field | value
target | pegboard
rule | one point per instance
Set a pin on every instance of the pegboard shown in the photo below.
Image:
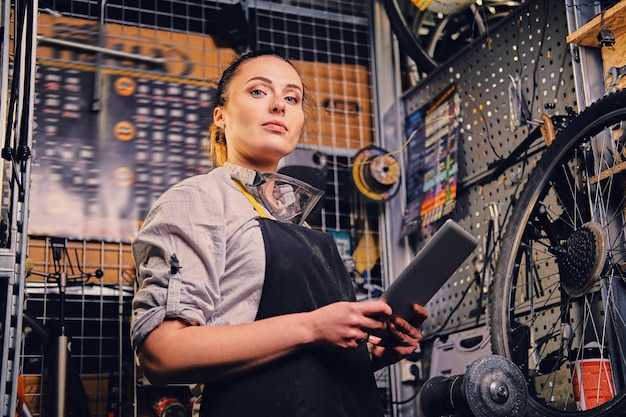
(530, 48)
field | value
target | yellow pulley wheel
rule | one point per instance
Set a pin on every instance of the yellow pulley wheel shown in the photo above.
(376, 173)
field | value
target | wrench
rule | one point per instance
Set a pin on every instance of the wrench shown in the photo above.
(615, 74)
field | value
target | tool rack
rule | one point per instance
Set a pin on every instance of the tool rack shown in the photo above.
(607, 31)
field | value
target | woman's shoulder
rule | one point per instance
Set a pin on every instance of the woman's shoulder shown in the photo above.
(210, 188)
(210, 181)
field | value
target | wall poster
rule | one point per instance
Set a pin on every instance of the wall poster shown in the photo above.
(433, 133)
(113, 131)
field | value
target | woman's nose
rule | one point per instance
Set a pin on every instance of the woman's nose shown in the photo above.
(278, 107)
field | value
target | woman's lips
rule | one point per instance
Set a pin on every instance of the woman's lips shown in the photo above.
(275, 126)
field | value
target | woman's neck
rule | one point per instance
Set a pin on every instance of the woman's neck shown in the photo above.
(263, 168)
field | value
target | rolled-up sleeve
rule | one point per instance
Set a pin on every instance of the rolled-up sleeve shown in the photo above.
(179, 254)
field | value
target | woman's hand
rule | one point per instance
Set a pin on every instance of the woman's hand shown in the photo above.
(405, 339)
(343, 324)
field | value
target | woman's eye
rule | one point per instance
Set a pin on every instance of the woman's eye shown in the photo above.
(292, 100)
(257, 92)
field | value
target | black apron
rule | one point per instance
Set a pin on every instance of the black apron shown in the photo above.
(303, 272)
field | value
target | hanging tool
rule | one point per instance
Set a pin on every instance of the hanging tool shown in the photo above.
(615, 74)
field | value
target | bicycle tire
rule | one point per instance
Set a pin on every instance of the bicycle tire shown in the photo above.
(406, 37)
(542, 314)
(444, 35)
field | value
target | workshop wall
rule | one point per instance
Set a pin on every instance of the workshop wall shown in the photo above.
(524, 58)
(115, 130)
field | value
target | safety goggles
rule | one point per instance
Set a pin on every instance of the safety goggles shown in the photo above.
(287, 199)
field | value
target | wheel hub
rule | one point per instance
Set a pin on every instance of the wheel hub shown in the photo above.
(581, 258)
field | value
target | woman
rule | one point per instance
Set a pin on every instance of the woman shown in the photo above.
(234, 293)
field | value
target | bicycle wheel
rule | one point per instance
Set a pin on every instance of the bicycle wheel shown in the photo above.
(559, 293)
(430, 38)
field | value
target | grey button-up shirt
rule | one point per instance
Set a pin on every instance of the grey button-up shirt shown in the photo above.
(199, 255)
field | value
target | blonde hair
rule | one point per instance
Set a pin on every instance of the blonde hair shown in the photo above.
(217, 146)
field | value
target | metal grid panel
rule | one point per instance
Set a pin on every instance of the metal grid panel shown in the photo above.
(329, 42)
(332, 52)
(185, 36)
(96, 316)
(530, 45)
(99, 78)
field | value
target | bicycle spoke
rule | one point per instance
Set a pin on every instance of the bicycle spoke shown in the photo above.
(560, 287)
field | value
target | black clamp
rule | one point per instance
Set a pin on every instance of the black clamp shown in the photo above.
(606, 37)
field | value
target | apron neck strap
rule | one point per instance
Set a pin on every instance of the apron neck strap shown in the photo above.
(252, 200)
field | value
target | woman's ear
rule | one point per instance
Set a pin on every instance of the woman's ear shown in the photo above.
(218, 117)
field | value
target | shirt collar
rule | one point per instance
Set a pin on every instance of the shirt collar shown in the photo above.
(248, 177)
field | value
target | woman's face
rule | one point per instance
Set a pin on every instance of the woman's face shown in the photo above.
(262, 116)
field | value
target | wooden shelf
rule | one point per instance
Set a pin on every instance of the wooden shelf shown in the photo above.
(614, 19)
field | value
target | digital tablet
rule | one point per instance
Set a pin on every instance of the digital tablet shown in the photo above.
(428, 271)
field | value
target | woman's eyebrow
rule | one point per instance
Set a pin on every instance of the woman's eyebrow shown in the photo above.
(268, 81)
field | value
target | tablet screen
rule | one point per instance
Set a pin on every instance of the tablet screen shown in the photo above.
(428, 271)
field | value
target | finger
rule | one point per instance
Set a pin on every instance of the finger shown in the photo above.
(404, 331)
(375, 308)
(403, 326)
(420, 311)
(375, 323)
(363, 338)
(375, 340)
